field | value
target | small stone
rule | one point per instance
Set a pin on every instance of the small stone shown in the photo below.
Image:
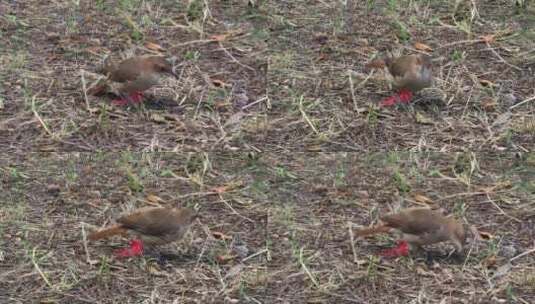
(509, 99)
(53, 189)
(508, 251)
(432, 95)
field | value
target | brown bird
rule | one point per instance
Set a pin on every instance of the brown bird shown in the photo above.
(136, 74)
(421, 226)
(151, 225)
(410, 74)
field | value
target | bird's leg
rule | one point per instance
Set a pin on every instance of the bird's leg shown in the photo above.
(135, 249)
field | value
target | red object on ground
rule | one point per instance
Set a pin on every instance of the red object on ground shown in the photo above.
(135, 249)
(135, 97)
(402, 249)
(390, 101)
(403, 96)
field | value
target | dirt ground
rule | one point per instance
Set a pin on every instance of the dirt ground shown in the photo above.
(282, 75)
(272, 229)
(277, 140)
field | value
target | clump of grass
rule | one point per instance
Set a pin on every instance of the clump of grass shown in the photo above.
(400, 182)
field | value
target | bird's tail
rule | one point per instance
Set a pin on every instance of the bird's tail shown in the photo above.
(372, 230)
(107, 232)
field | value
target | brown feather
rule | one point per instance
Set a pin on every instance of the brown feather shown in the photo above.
(372, 230)
(107, 232)
(137, 74)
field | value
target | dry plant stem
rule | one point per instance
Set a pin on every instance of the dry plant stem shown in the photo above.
(234, 210)
(522, 102)
(501, 210)
(34, 110)
(33, 259)
(352, 90)
(532, 250)
(254, 255)
(352, 240)
(254, 103)
(305, 268)
(501, 58)
(205, 244)
(84, 241)
(84, 89)
(233, 58)
(305, 117)
(179, 45)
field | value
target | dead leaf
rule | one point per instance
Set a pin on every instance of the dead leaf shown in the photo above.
(220, 235)
(489, 104)
(154, 47)
(219, 38)
(486, 83)
(485, 235)
(224, 258)
(422, 47)
(154, 199)
(219, 83)
(221, 189)
(423, 199)
(490, 262)
(488, 38)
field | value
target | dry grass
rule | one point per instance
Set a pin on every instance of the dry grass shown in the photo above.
(52, 51)
(54, 200)
(323, 98)
(286, 225)
(288, 78)
(292, 74)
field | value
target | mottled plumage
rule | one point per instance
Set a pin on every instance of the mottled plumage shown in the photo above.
(412, 72)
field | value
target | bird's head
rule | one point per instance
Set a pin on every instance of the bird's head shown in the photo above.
(163, 65)
(189, 215)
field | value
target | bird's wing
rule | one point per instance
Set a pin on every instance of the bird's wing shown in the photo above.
(141, 83)
(127, 70)
(400, 66)
(150, 221)
(421, 221)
